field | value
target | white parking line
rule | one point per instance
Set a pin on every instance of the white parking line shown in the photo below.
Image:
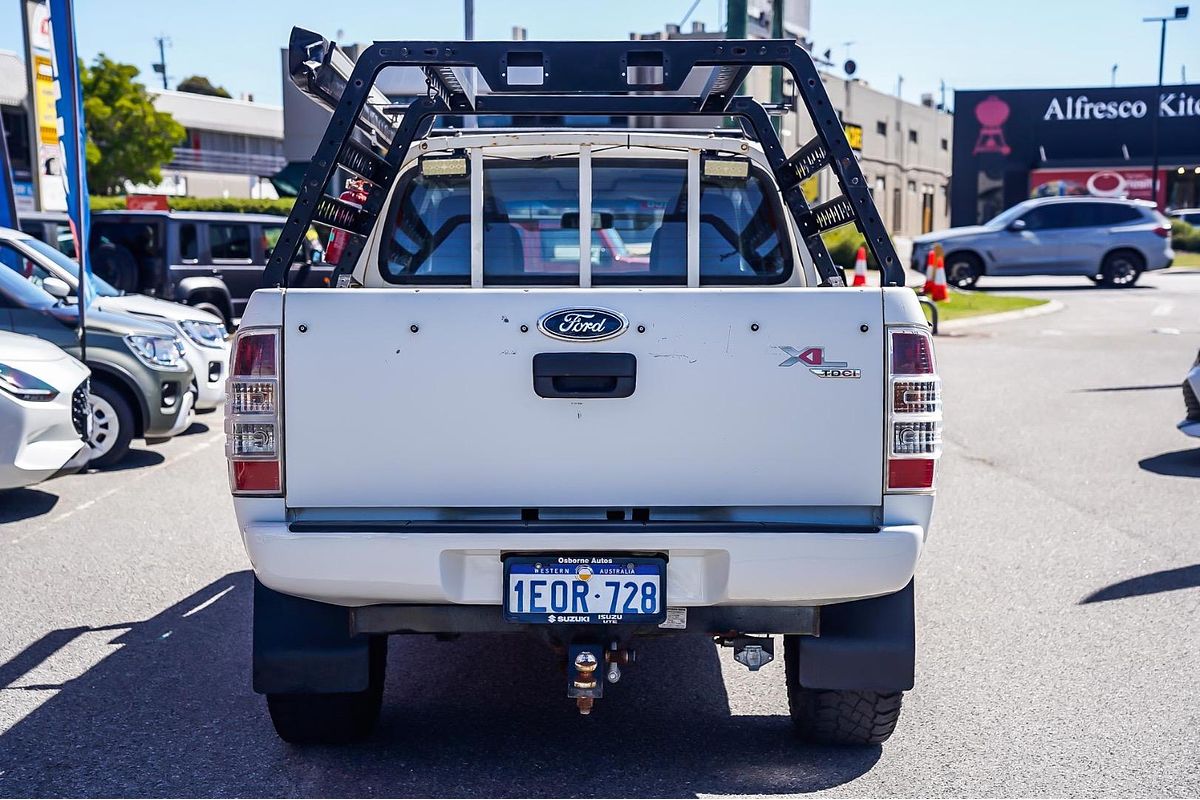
(134, 479)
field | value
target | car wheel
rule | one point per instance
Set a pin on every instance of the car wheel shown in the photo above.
(1121, 269)
(338, 718)
(963, 270)
(112, 425)
(213, 309)
(838, 716)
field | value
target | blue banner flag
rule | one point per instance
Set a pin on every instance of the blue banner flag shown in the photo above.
(73, 138)
(8, 202)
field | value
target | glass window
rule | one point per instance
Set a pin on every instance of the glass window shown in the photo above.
(1110, 214)
(36, 273)
(230, 242)
(1058, 215)
(912, 135)
(881, 128)
(189, 242)
(639, 226)
(14, 281)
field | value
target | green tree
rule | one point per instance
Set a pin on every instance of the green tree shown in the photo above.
(128, 138)
(198, 84)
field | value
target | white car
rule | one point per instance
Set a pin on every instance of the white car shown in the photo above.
(1191, 401)
(44, 414)
(205, 347)
(494, 423)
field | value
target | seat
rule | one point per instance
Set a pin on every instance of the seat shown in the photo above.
(502, 251)
(668, 248)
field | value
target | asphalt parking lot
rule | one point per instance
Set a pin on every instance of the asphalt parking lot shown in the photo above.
(1058, 603)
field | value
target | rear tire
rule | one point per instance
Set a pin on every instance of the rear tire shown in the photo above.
(338, 718)
(1121, 269)
(112, 425)
(963, 270)
(839, 716)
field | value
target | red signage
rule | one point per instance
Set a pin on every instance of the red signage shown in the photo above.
(146, 202)
(1132, 183)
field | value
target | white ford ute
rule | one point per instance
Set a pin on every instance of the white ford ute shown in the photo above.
(591, 385)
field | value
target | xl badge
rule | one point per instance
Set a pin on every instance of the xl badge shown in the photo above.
(814, 359)
(583, 324)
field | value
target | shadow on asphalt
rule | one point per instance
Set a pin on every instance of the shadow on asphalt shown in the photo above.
(1145, 388)
(1086, 285)
(171, 713)
(19, 504)
(1181, 463)
(1167, 580)
(135, 459)
(194, 428)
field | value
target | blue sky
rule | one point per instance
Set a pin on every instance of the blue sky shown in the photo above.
(969, 44)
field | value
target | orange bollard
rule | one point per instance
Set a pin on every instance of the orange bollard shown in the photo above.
(941, 292)
(860, 268)
(930, 273)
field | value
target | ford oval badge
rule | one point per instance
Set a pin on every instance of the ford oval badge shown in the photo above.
(583, 324)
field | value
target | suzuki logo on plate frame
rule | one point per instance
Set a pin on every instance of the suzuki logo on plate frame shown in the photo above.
(583, 324)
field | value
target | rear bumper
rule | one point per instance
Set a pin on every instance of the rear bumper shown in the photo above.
(732, 565)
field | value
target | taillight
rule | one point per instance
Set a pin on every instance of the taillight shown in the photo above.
(1164, 230)
(253, 427)
(915, 413)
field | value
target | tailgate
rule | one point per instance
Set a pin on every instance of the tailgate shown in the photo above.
(377, 415)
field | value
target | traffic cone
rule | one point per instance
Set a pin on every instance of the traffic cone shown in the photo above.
(860, 268)
(930, 273)
(941, 292)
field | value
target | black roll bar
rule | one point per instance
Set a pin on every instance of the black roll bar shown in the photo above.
(540, 78)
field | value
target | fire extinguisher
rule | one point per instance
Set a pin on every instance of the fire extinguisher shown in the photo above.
(355, 195)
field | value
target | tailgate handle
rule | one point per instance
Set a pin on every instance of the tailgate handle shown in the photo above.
(584, 374)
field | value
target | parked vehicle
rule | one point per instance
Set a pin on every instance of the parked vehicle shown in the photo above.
(1112, 242)
(1191, 404)
(51, 227)
(210, 260)
(140, 385)
(1189, 215)
(593, 453)
(44, 413)
(203, 335)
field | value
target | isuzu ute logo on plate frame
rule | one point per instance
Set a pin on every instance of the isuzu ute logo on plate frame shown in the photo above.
(583, 324)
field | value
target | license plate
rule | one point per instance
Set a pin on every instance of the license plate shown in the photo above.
(591, 590)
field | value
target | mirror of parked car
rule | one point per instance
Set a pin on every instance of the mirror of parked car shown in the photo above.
(601, 220)
(1017, 225)
(56, 287)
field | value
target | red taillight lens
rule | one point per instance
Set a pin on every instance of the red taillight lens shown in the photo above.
(910, 473)
(912, 353)
(256, 476)
(253, 426)
(254, 356)
(915, 416)
(1163, 231)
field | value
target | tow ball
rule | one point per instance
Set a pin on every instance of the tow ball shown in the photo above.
(752, 652)
(589, 666)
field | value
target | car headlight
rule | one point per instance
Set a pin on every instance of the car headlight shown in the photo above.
(160, 352)
(24, 386)
(205, 334)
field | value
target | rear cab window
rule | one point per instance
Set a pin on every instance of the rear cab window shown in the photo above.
(531, 214)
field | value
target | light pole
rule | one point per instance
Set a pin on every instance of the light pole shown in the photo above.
(1181, 12)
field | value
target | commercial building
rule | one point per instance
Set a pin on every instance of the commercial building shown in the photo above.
(1011, 144)
(232, 148)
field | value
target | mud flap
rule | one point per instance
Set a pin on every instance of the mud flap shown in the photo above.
(868, 645)
(304, 646)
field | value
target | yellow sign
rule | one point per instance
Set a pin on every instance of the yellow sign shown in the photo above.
(854, 136)
(44, 98)
(811, 189)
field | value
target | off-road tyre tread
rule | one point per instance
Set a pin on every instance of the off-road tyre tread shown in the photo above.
(845, 717)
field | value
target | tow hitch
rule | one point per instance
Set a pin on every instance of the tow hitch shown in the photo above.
(752, 652)
(586, 675)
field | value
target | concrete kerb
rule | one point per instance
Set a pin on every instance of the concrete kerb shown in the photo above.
(1002, 316)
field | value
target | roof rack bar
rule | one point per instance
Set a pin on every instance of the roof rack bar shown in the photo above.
(574, 77)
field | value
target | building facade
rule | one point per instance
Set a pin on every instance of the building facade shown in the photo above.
(1012, 144)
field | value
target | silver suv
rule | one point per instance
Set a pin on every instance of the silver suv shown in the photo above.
(1111, 242)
